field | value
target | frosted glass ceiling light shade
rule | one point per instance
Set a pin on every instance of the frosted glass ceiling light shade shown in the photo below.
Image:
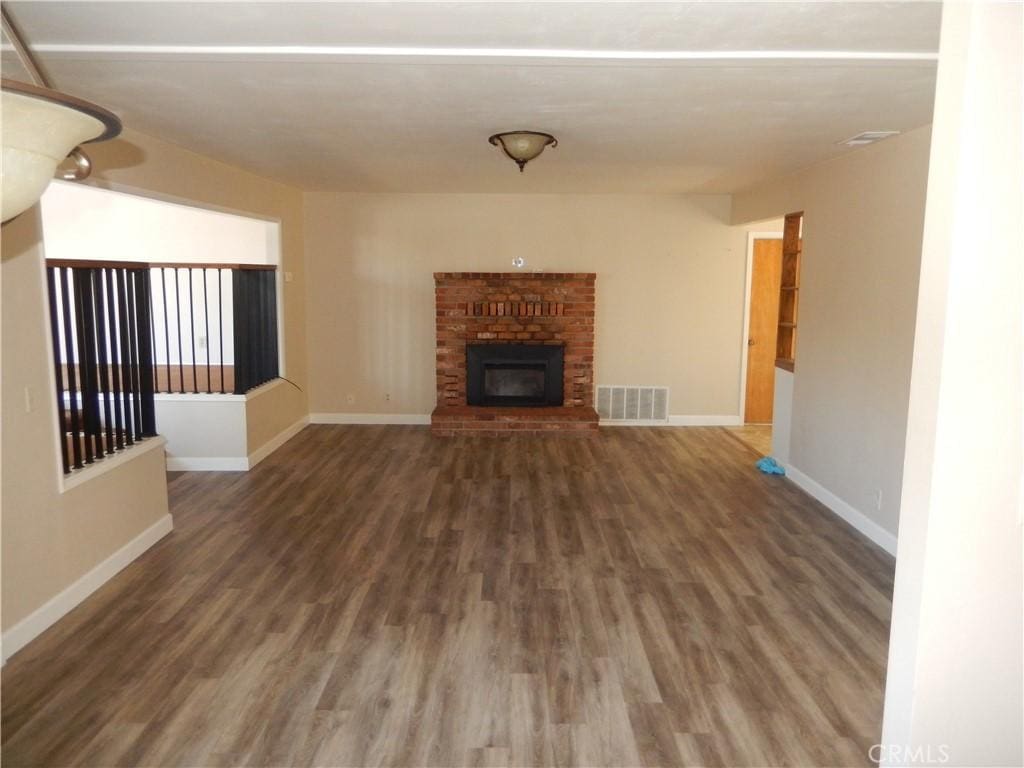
(523, 146)
(40, 127)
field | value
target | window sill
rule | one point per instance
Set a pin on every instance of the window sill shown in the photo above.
(86, 474)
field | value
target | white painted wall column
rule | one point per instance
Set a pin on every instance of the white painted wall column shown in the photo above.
(954, 688)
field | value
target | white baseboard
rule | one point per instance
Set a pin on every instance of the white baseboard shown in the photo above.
(235, 463)
(207, 464)
(276, 442)
(701, 420)
(369, 418)
(424, 418)
(41, 619)
(854, 517)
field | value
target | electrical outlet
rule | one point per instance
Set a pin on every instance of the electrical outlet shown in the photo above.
(288, 277)
(387, 397)
(350, 398)
(878, 499)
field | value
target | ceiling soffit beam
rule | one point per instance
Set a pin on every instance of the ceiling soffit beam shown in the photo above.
(505, 55)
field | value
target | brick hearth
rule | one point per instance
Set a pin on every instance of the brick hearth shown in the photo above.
(515, 308)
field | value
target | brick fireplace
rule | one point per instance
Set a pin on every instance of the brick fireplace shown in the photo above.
(519, 310)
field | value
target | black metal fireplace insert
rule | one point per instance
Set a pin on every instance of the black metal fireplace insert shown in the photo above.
(514, 374)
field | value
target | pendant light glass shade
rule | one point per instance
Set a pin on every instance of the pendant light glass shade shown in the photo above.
(40, 127)
(523, 146)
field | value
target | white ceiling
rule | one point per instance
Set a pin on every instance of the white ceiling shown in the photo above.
(643, 97)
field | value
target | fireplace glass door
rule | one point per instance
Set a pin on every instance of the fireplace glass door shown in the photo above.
(514, 374)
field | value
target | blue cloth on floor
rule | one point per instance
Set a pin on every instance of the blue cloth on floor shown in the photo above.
(770, 466)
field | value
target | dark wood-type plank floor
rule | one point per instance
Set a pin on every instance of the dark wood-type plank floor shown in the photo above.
(378, 596)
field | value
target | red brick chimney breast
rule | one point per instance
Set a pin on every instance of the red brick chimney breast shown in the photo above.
(514, 308)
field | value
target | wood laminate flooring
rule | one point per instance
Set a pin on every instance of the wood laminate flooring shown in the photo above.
(378, 596)
(757, 436)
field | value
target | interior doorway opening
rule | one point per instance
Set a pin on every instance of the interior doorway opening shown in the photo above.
(164, 318)
(762, 329)
(769, 340)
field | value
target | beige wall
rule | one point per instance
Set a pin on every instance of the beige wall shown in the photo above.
(52, 539)
(146, 166)
(956, 680)
(863, 218)
(269, 412)
(670, 285)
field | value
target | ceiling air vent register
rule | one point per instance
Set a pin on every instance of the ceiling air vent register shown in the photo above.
(868, 137)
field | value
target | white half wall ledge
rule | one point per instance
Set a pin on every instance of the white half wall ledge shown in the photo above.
(854, 517)
(235, 463)
(207, 464)
(371, 418)
(58, 606)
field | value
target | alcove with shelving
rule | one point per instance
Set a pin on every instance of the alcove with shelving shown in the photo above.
(789, 291)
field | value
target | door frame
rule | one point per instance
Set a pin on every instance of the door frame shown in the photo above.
(744, 349)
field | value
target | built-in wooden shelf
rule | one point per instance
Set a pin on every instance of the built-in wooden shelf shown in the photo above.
(792, 245)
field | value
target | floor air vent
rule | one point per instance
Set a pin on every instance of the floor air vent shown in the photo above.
(633, 404)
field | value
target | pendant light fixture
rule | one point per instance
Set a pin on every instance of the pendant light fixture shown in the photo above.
(40, 128)
(523, 146)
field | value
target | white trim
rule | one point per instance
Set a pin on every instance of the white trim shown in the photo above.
(333, 52)
(207, 464)
(275, 247)
(235, 463)
(854, 517)
(369, 418)
(103, 466)
(55, 427)
(749, 286)
(276, 442)
(41, 619)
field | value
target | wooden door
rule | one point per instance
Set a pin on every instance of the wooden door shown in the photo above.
(766, 277)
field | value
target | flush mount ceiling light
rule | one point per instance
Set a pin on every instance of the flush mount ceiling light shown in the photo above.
(523, 146)
(42, 127)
